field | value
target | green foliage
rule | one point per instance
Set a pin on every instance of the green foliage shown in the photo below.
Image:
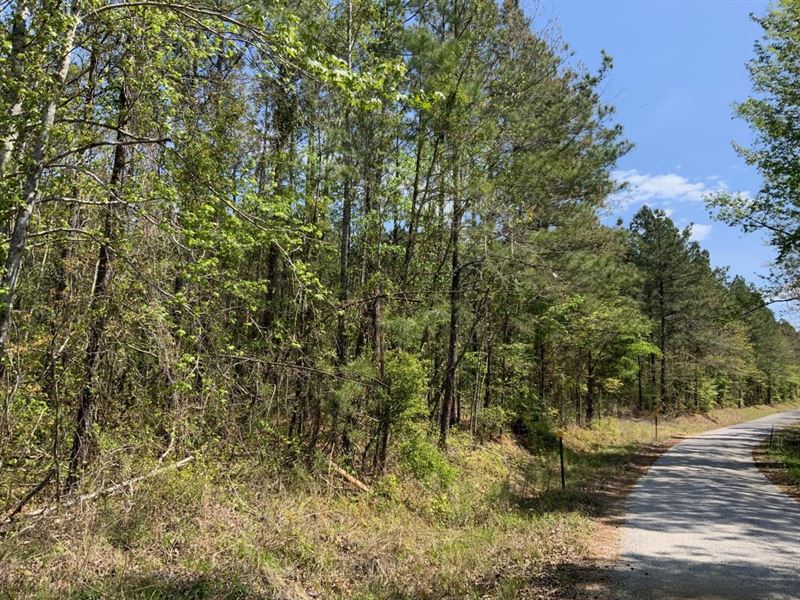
(771, 114)
(405, 379)
(492, 423)
(785, 451)
(421, 459)
(707, 395)
(388, 487)
(303, 233)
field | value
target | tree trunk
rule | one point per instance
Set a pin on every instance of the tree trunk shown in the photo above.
(344, 245)
(474, 404)
(373, 268)
(487, 395)
(30, 194)
(283, 119)
(63, 279)
(769, 388)
(542, 370)
(418, 202)
(412, 213)
(98, 305)
(590, 384)
(662, 396)
(379, 346)
(578, 402)
(18, 34)
(448, 399)
(639, 381)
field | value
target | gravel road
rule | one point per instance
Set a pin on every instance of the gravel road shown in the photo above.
(705, 524)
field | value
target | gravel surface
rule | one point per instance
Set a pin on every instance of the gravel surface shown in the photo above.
(705, 524)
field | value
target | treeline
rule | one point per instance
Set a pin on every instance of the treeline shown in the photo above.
(336, 228)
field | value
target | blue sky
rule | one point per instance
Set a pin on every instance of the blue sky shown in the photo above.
(678, 67)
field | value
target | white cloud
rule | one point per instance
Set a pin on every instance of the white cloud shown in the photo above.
(700, 232)
(644, 188)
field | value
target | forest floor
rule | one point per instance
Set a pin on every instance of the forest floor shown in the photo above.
(492, 523)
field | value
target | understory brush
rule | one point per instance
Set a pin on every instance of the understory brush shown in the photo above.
(784, 452)
(484, 520)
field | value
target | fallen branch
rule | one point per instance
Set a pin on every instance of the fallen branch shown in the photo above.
(39, 487)
(109, 491)
(349, 478)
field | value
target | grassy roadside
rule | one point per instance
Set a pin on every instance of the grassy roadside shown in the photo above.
(780, 461)
(490, 522)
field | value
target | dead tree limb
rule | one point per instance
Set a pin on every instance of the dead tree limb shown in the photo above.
(29, 496)
(349, 478)
(109, 491)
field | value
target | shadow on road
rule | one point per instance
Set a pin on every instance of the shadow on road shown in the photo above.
(705, 524)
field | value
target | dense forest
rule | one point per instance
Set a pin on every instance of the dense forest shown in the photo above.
(333, 230)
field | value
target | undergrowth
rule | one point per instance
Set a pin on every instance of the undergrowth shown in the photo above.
(486, 520)
(785, 453)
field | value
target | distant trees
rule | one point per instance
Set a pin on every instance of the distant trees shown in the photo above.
(666, 259)
(340, 229)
